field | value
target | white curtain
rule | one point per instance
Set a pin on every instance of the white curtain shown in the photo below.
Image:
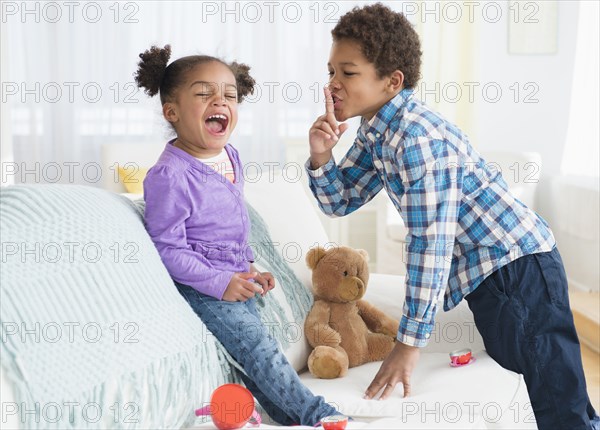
(6, 152)
(70, 88)
(449, 43)
(69, 84)
(581, 156)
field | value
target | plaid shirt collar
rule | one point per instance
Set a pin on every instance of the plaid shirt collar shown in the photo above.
(380, 122)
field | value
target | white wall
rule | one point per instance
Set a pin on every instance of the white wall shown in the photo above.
(534, 119)
(519, 126)
(570, 207)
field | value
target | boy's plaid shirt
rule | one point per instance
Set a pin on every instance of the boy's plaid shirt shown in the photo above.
(462, 221)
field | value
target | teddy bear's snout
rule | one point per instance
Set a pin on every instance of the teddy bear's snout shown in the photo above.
(352, 288)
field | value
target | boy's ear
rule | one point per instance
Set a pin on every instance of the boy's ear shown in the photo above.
(396, 81)
(170, 112)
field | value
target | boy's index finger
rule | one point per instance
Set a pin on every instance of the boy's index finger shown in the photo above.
(329, 109)
(328, 100)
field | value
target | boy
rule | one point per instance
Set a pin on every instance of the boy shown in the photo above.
(468, 237)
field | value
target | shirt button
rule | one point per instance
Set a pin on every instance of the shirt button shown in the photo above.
(427, 336)
(378, 135)
(244, 217)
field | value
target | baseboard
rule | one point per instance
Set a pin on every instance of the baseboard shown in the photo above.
(586, 314)
(579, 287)
(588, 331)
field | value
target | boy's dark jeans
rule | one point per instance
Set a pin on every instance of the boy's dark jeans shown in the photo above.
(522, 312)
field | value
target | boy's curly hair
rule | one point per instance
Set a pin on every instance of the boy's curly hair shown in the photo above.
(387, 39)
(155, 76)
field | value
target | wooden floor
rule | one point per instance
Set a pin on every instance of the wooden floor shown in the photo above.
(591, 367)
(586, 303)
(586, 312)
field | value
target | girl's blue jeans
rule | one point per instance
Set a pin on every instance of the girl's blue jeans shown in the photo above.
(269, 376)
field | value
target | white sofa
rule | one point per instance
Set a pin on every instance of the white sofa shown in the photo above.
(480, 395)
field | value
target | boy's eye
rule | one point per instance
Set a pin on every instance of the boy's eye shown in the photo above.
(203, 94)
(345, 74)
(231, 96)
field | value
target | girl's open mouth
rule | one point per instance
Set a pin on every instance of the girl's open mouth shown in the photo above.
(216, 124)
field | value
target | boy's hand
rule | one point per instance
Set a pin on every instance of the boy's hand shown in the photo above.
(324, 134)
(397, 368)
(240, 288)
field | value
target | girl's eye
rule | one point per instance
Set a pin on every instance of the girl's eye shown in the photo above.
(349, 74)
(330, 73)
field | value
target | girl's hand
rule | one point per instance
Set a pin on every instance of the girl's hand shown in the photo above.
(324, 134)
(265, 279)
(240, 288)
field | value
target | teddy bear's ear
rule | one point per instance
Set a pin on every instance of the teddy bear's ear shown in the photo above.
(364, 254)
(314, 256)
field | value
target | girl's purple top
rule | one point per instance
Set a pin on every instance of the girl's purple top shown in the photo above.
(198, 220)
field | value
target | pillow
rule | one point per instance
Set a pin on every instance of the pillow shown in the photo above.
(94, 333)
(132, 178)
(287, 327)
(292, 216)
(281, 203)
(284, 309)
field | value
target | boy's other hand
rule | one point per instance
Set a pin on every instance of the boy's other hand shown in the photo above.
(324, 133)
(240, 288)
(397, 368)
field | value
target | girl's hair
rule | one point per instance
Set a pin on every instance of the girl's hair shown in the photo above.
(155, 76)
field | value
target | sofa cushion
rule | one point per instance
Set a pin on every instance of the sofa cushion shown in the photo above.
(442, 397)
(94, 332)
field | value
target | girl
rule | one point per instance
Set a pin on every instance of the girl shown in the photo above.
(196, 216)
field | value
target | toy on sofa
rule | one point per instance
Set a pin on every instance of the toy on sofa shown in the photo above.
(344, 330)
(231, 407)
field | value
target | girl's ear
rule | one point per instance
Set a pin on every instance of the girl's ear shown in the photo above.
(170, 112)
(396, 80)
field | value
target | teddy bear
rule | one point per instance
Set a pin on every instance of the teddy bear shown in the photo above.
(344, 330)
